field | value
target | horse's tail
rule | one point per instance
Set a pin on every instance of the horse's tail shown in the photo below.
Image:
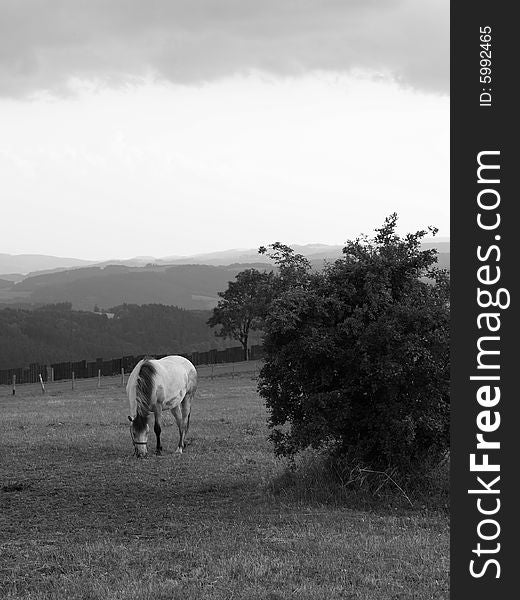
(143, 392)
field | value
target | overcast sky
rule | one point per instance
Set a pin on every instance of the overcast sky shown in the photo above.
(180, 126)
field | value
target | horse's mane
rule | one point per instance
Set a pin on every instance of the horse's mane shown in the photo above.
(143, 392)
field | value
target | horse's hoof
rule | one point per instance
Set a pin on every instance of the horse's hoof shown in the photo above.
(178, 451)
(158, 452)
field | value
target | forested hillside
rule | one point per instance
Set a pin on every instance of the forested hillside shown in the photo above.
(188, 286)
(56, 333)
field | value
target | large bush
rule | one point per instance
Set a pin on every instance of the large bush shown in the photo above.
(357, 355)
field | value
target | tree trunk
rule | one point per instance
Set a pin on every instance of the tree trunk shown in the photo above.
(244, 346)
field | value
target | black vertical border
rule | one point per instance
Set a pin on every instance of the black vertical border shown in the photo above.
(475, 129)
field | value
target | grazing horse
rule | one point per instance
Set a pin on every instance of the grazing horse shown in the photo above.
(156, 385)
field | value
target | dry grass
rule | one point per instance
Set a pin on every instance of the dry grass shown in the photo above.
(80, 518)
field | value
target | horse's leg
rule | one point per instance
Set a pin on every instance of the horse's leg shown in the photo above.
(157, 427)
(186, 411)
(178, 418)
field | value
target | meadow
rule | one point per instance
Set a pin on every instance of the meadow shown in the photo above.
(81, 518)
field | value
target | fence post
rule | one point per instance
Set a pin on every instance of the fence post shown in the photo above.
(212, 370)
(99, 378)
(122, 376)
(41, 383)
(52, 374)
(72, 379)
(233, 371)
(14, 384)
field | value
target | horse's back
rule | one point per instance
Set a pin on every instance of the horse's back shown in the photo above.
(178, 375)
(176, 364)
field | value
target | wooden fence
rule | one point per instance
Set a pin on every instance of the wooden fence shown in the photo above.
(83, 369)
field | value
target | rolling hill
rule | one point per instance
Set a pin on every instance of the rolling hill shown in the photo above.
(25, 263)
(5, 284)
(185, 286)
(192, 286)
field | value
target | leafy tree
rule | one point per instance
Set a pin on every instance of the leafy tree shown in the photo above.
(242, 307)
(293, 268)
(357, 356)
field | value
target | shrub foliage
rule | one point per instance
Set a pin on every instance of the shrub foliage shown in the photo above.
(357, 355)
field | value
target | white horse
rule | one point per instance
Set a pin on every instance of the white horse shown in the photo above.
(156, 385)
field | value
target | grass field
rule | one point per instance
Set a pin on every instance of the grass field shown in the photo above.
(81, 518)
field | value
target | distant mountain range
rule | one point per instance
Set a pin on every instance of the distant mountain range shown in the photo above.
(15, 266)
(25, 263)
(188, 282)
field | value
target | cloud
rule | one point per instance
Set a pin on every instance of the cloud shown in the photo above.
(46, 43)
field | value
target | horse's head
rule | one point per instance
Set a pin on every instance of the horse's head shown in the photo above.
(139, 433)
